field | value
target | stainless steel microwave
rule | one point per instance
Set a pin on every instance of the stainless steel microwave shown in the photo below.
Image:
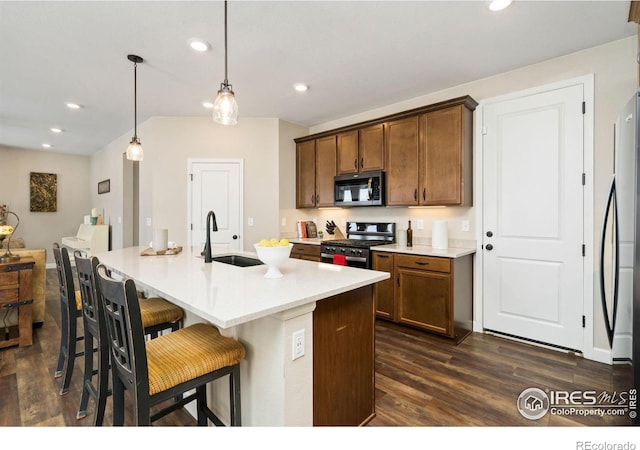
(360, 189)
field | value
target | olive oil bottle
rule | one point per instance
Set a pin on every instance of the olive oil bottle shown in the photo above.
(409, 236)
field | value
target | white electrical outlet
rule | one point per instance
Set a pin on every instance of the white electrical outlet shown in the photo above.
(148, 221)
(250, 221)
(297, 349)
(465, 225)
(283, 222)
(419, 224)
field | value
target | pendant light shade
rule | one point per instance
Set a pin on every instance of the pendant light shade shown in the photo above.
(134, 150)
(225, 108)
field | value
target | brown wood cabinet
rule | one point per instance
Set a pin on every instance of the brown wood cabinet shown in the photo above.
(445, 157)
(402, 162)
(309, 252)
(361, 150)
(315, 171)
(426, 153)
(430, 293)
(16, 292)
(384, 293)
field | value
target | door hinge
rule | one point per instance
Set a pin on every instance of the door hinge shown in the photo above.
(584, 250)
(584, 322)
(191, 176)
(484, 129)
(584, 107)
(584, 179)
(191, 226)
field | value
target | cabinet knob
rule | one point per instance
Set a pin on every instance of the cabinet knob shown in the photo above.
(489, 247)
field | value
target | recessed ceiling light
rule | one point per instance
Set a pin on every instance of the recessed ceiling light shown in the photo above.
(498, 5)
(72, 105)
(47, 145)
(199, 45)
(208, 105)
(301, 87)
(56, 130)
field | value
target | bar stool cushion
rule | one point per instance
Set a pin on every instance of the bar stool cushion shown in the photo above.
(156, 310)
(188, 353)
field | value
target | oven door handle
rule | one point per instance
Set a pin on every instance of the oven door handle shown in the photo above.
(347, 258)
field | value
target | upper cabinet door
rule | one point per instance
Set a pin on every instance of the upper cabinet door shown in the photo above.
(445, 157)
(347, 151)
(306, 174)
(401, 138)
(325, 170)
(371, 148)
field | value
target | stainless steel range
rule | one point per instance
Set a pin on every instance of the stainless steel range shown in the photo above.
(355, 250)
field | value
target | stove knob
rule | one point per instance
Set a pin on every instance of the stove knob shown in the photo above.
(342, 250)
(359, 252)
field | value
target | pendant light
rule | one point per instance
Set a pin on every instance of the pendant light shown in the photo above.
(134, 150)
(225, 108)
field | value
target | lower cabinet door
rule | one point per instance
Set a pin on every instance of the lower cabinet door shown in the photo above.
(384, 293)
(425, 300)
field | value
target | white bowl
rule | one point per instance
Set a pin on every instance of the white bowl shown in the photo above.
(273, 257)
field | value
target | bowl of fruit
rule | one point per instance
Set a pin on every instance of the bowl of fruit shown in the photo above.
(273, 252)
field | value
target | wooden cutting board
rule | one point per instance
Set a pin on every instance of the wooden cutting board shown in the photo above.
(151, 252)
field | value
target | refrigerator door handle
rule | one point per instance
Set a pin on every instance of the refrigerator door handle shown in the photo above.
(610, 325)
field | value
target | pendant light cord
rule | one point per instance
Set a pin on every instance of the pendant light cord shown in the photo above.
(135, 100)
(226, 81)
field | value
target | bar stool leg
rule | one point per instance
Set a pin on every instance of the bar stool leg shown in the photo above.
(118, 401)
(234, 397)
(103, 387)
(64, 338)
(70, 358)
(86, 381)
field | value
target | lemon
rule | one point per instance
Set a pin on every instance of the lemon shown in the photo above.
(284, 242)
(274, 242)
(264, 243)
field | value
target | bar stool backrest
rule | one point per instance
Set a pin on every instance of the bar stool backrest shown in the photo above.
(90, 292)
(65, 281)
(126, 334)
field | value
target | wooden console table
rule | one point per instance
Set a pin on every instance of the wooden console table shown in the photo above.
(16, 292)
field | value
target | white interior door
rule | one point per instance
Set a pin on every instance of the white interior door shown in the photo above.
(217, 186)
(533, 217)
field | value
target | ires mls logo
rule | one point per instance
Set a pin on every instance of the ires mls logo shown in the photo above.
(534, 403)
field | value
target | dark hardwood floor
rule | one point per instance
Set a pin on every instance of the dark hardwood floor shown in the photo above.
(421, 380)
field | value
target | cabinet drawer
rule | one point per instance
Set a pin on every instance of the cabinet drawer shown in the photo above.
(424, 263)
(9, 278)
(9, 295)
(300, 250)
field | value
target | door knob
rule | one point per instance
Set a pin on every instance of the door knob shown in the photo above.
(235, 236)
(489, 247)
(489, 233)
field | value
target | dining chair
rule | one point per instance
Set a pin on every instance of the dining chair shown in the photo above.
(70, 315)
(164, 369)
(158, 315)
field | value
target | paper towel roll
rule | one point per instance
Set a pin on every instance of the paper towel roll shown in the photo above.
(440, 237)
(160, 239)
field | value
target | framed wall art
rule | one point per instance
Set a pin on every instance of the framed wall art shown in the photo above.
(43, 192)
(104, 186)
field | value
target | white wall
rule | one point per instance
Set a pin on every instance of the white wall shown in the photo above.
(168, 143)
(42, 229)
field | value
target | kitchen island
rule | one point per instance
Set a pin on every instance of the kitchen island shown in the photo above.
(332, 306)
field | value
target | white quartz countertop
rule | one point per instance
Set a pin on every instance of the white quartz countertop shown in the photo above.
(227, 295)
(425, 250)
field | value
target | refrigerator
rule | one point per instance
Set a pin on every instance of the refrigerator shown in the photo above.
(620, 243)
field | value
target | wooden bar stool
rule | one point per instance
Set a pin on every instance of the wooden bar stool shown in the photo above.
(157, 314)
(167, 367)
(70, 314)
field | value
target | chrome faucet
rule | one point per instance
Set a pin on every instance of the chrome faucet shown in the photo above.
(210, 227)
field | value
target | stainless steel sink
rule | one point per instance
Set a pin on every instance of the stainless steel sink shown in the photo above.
(237, 260)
